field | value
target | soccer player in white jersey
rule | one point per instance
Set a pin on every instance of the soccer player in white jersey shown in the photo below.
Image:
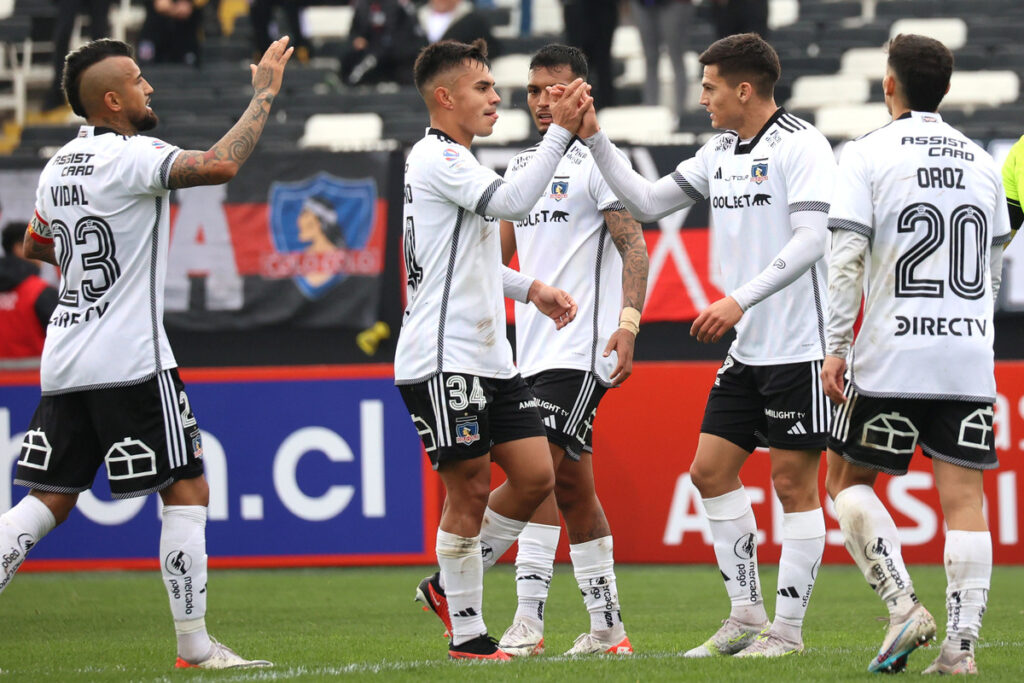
(918, 224)
(453, 363)
(769, 179)
(578, 237)
(110, 388)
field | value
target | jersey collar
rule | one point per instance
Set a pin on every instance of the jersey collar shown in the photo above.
(87, 131)
(442, 135)
(746, 147)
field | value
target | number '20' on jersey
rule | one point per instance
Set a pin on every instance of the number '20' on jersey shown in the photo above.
(931, 203)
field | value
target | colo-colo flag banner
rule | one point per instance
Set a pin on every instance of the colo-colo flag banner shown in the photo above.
(296, 239)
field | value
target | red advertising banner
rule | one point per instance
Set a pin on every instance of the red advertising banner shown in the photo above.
(645, 436)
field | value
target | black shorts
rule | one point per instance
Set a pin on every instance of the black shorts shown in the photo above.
(460, 416)
(145, 434)
(781, 406)
(567, 400)
(882, 433)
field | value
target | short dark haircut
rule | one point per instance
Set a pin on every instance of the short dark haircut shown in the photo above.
(444, 55)
(13, 233)
(747, 57)
(555, 55)
(81, 59)
(923, 66)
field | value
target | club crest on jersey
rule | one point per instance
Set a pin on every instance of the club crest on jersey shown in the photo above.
(324, 229)
(759, 171)
(559, 190)
(467, 431)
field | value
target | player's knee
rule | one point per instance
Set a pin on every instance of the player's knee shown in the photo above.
(567, 494)
(60, 505)
(793, 489)
(704, 478)
(536, 485)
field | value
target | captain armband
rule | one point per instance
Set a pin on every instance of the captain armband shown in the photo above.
(629, 319)
(40, 229)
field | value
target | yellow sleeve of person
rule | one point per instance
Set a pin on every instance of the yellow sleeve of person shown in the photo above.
(1013, 183)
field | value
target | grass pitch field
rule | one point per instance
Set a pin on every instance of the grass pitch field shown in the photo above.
(362, 623)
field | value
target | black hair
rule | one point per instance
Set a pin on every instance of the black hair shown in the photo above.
(444, 55)
(81, 59)
(13, 233)
(923, 67)
(556, 54)
(748, 57)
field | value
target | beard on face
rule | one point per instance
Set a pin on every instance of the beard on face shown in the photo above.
(147, 120)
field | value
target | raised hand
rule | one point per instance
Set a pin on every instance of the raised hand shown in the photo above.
(570, 103)
(268, 74)
(589, 127)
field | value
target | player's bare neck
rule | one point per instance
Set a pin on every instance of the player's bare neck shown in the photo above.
(756, 115)
(451, 127)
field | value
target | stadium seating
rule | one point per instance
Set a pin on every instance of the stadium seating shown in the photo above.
(831, 50)
(338, 132)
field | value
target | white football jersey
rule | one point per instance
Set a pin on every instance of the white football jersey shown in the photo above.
(564, 242)
(455, 313)
(753, 188)
(103, 201)
(932, 204)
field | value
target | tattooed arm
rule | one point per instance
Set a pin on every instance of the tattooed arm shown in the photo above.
(38, 250)
(628, 237)
(221, 162)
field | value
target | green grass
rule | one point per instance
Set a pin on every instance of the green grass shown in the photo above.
(362, 623)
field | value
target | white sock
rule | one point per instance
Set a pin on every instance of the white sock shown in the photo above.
(735, 534)
(535, 564)
(21, 527)
(463, 572)
(874, 543)
(497, 534)
(968, 560)
(594, 566)
(803, 544)
(183, 567)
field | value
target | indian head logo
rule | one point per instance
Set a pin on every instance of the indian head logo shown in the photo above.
(759, 171)
(321, 229)
(559, 189)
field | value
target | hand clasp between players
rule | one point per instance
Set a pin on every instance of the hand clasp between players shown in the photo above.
(570, 103)
(715, 320)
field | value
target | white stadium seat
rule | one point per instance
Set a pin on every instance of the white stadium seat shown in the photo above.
(626, 42)
(850, 121)
(341, 131)
(510, 71)
(952, 32)
(548, 18)
(637, 124)
(868, 62)
(982, 88)
(324, 21)
(810, 92)
(782, 13)
(513, 125)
